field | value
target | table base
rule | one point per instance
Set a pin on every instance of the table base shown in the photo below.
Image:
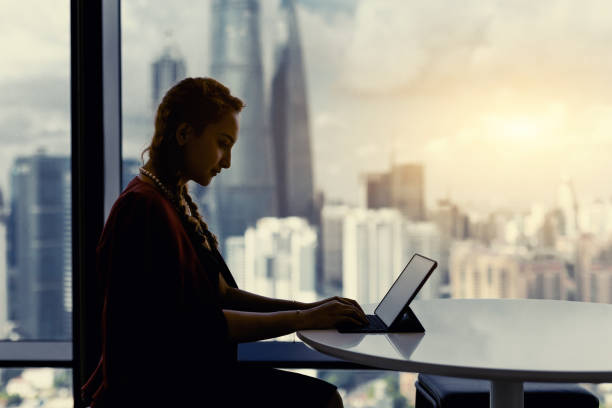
(505, 394)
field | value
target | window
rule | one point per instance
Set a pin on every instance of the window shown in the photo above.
(35, 205)
(467, 132)
(35, 187)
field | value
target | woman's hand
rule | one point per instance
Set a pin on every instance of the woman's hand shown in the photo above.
(332, 312)
(338, 299)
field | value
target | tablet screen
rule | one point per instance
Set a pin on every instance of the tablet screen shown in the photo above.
(404, 288)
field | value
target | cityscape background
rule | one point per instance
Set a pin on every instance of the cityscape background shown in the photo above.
(370, 134)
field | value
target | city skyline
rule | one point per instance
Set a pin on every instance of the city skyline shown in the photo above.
(555, 128)
(507, 126)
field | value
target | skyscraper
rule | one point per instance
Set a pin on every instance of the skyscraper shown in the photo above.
(276, 258)
(129, 169)
(371, 253)
(332, 230)
(3, 269)
(39, 247)
(289, 123)
(166, 71)
(401, 188)
(377, 244)
(246, 192)
(407, 191)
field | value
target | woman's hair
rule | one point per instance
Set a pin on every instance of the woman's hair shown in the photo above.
(196, 102)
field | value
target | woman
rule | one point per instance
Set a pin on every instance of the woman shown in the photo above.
(172, 313)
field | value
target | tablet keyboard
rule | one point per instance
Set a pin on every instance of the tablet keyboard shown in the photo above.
(375, 326)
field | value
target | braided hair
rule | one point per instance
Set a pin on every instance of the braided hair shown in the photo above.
(195, 220)
(197, 102)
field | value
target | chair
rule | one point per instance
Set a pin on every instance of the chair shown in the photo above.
(435, 391)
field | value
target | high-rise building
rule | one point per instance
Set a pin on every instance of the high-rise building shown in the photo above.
(276, 258)
(289, 122)
(602, 285)
(246, 192)
(332, 232)
(401, 188)
(371, 256)
(587, 249)
(407, 190)
(569, 208)
(3, 270)
(129, 169)
(39, 249)
(166, 70)
(377, 244)
(477, 271)
(378, 190)
(425, 238)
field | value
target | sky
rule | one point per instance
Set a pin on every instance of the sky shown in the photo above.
(499, 100)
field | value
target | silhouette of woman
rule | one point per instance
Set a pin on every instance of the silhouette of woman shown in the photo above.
(172, 313)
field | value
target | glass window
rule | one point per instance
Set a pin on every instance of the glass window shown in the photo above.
(417, 118)
(36, 387)
(475, 134)
(35, 179)
(370, 388)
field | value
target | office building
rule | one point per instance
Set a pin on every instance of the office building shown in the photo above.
(332, 239)
(166, 70)
(371, 255)
(424, 238)
(246, 192)
(377, 244)
(477, 271)
(407, 191)
(566, 199)
(601, 284)
(234, 255)
(3, 269)
(378, 190)
(401, 188)
(547, 278)
(276, 258)
(289, 122)
(129, 169)
(587, 250)
(39, 247)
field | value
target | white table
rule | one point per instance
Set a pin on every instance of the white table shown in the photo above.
(506, 341)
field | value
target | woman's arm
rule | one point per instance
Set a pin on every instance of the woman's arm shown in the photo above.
(238, 299)
(253, 326)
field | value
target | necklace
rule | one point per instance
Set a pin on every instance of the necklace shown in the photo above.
(159, 184)
(198, 228)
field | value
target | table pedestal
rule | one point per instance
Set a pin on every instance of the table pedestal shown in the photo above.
(506, 394)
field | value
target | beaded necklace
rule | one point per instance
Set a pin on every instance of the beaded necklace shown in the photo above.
(172, 197)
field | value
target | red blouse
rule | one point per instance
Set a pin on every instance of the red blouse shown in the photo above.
(164, 335)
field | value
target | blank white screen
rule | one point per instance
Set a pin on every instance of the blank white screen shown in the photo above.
(403, 288)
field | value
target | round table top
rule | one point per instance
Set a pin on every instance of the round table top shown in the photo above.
(496, 339)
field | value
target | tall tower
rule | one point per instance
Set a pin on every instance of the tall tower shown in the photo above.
(407, 190)
(39, 247)
(401, 188)
(3, 270)
(569, 208)
(166, 71)
(289, 123)
(246, 192)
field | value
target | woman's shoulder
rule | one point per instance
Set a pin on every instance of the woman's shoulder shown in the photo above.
(142, 198)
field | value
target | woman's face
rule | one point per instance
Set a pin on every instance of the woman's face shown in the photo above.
(210, 151)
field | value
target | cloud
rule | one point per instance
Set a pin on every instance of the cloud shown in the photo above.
(485, 94)
(34, 39)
